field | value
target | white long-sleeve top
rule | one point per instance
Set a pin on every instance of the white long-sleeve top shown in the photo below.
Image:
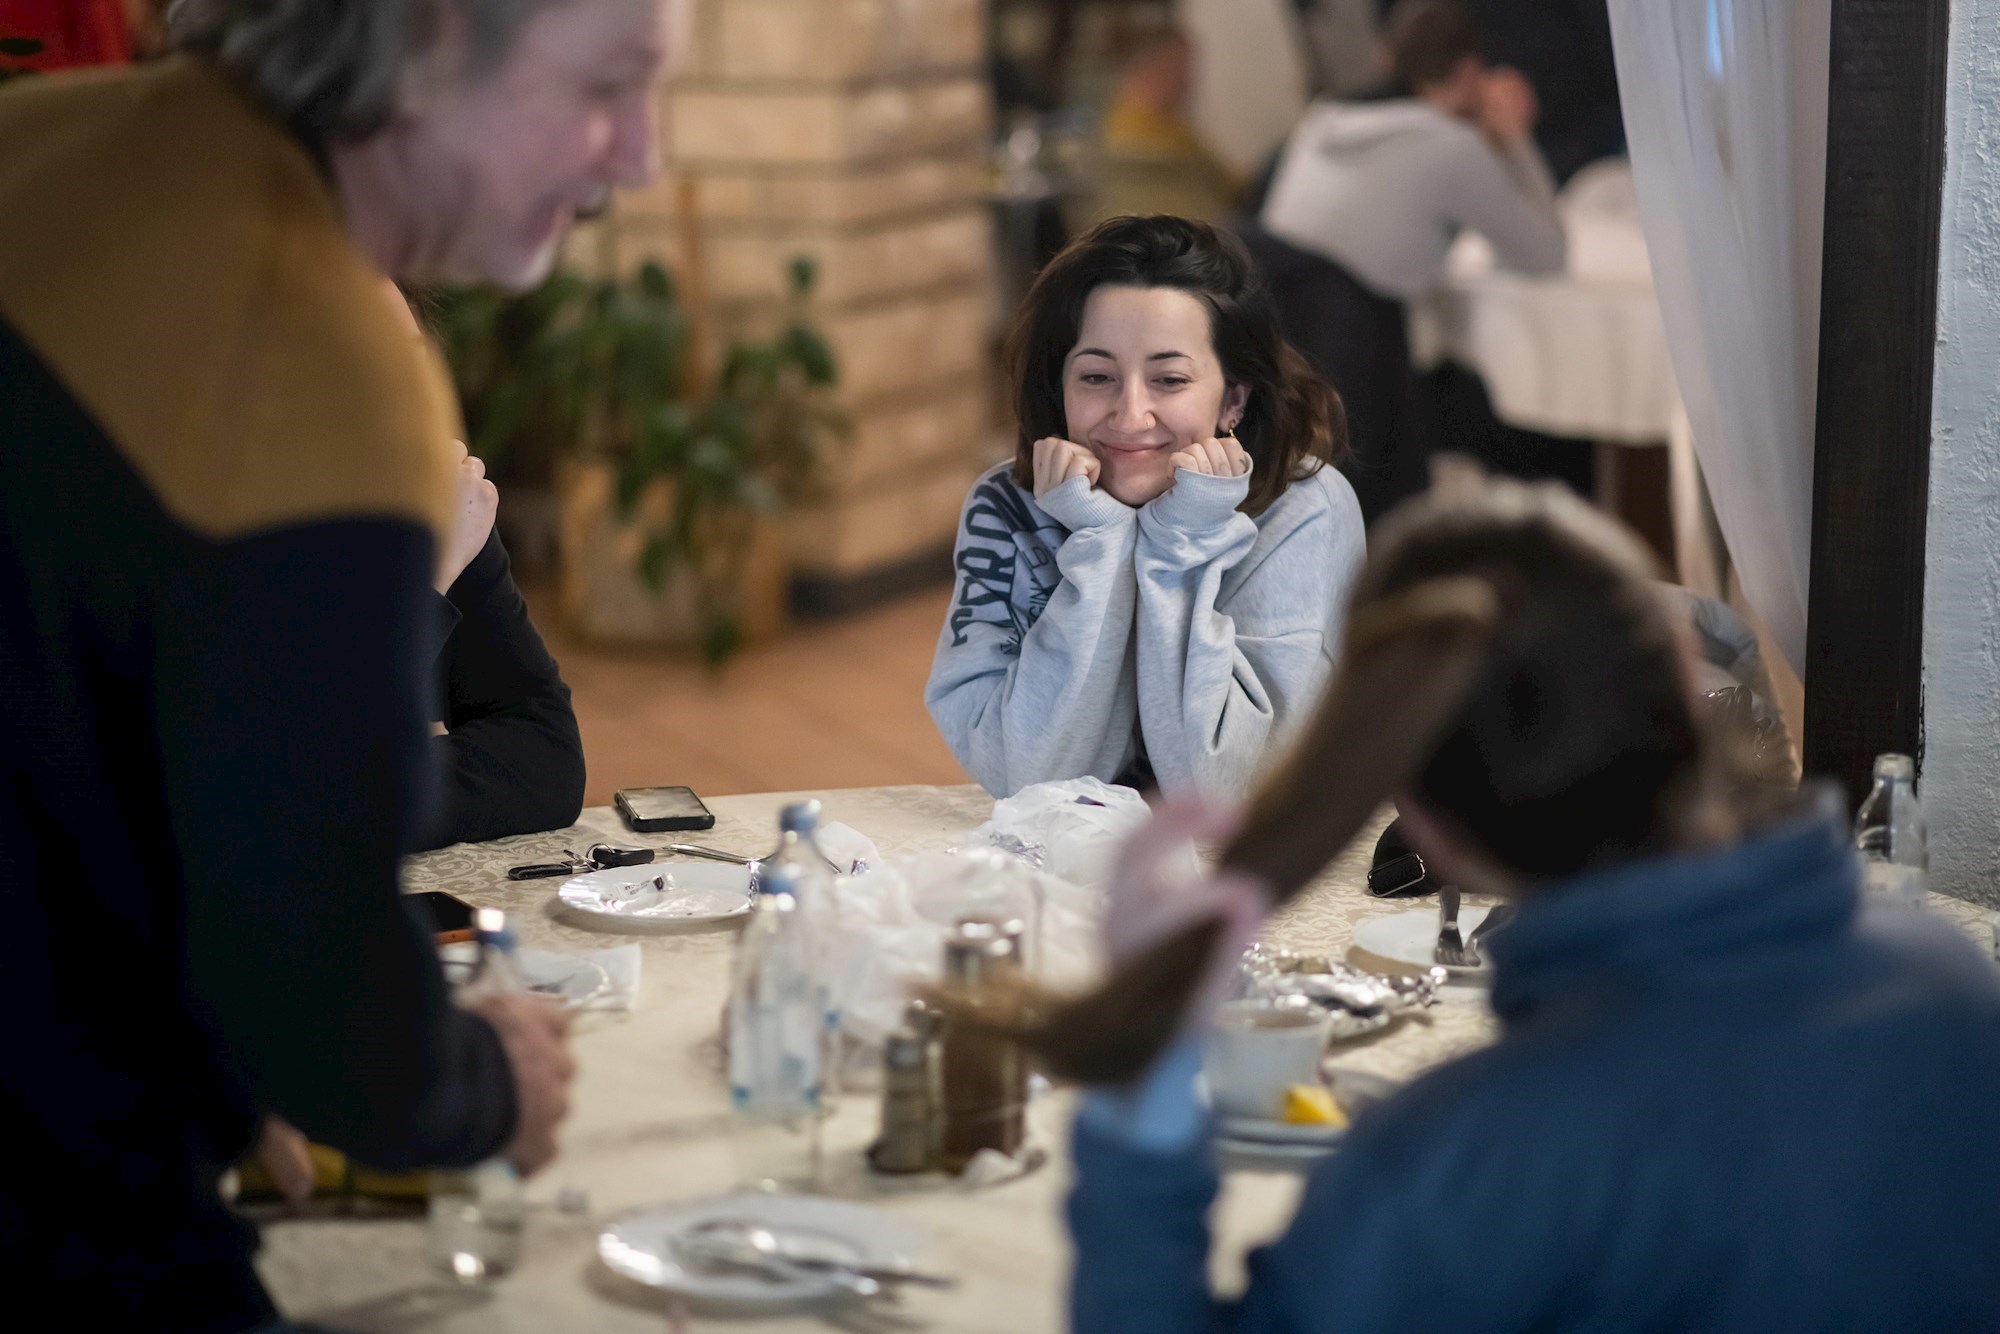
(1383, 189)
(1086, 636)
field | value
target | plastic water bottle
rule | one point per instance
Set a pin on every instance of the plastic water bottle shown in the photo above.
(476, 1214)
(1889, 832)
(777, 1027)
(812, 886)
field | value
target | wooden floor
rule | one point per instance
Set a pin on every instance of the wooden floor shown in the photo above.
(829, 704)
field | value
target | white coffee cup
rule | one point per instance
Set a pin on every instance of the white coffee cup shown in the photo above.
(1257, 1050)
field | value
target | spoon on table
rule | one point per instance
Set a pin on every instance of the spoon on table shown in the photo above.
(748, 1236)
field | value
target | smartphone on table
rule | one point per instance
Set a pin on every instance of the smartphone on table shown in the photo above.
(449, 915)
(653, 810)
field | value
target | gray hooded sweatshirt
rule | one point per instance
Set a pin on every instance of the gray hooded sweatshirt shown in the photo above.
(1090, 638)
(1383, 188)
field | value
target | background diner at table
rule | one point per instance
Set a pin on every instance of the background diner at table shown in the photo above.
(992, 644)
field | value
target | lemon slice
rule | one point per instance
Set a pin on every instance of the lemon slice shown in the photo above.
(1312, 1105)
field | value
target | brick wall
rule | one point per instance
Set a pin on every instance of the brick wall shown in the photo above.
(853, 131)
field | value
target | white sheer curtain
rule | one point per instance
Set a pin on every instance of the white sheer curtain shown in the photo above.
(1725, 110)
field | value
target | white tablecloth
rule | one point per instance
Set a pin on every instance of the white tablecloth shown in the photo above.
(650, 1120)
(1581, 354)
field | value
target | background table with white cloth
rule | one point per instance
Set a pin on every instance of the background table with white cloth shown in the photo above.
(1581, 354)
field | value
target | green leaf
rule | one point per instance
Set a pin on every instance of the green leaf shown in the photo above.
(722, 638)
(730, 421)
(655, 561)
(812, 354)
(655, 282)
(803, 273)
(629, 483)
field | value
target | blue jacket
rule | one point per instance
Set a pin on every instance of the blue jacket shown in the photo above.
(1726, 1098)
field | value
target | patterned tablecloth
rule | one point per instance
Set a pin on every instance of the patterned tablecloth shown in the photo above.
(650, 1118)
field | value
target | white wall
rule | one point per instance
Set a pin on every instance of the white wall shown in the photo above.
(1249, 77)
(1961, 770)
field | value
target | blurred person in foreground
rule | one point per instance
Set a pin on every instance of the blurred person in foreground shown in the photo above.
(1728, 1094)
(1365, 203)
(222, 509)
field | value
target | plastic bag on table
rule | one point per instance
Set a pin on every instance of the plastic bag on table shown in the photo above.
(885, 939)
(1070, 829)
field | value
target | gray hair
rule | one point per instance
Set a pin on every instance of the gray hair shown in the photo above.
(330, 68)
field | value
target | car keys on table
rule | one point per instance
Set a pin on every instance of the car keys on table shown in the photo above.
(605, 856)
(601, 857)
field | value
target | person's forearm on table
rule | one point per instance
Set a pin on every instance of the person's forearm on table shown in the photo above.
(1508, 196)
(511, 758)
(287, 801)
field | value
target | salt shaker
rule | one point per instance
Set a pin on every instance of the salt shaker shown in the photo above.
(982, 1077)
(908, 1142)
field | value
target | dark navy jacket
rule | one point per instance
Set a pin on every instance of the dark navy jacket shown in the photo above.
(1726, 1098)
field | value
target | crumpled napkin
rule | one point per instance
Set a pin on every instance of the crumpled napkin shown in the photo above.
(845, 845)
(569, 975)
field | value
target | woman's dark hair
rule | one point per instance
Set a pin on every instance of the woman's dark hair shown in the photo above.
(1578, 740)
(1427, 40)
(1293, 422)
(1510, 665)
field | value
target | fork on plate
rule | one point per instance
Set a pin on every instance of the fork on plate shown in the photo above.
(1452, 951)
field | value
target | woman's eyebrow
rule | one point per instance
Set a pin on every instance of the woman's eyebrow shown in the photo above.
(1100, 352)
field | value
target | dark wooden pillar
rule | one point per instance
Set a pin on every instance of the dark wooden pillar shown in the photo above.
(1878, 327)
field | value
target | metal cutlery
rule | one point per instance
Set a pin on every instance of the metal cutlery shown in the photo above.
(1454, 952)
(1451, 949)
(740, 1241)
(711, 854)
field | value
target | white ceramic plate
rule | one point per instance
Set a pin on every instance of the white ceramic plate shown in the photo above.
(1249, 1139)
(640, 1245)
(1411, 937)
(1260, 1155)
(1257, 1130)
(624, 899)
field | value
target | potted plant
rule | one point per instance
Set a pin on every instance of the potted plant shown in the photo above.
(669, 479)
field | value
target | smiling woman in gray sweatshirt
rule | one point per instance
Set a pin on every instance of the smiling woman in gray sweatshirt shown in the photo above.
(1152, 591)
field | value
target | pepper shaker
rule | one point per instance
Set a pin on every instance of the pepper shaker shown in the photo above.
(982, 1077)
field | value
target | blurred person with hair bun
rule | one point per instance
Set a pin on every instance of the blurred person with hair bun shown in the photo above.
(1728, 1093)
